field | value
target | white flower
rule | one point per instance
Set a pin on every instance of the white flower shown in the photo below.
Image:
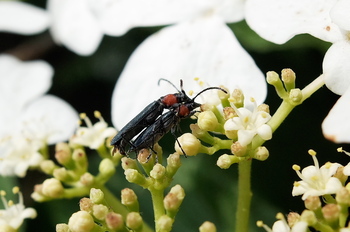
(281, 225)
(328, 20)
(248, 124)
(29, 120)
(14, 214)
(316, 181)
(18, 153)
(20, 17)
(92, 136)
(200, 44)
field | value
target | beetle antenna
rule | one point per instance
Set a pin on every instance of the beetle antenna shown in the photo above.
(162, 79)
(208, 89)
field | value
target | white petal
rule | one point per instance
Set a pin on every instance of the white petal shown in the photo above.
(336, 67)
(300, 227)
(75, 26)
(119, 16)
(204, 48)
(346, 170)
(50, 117)
(333, 185)
(280, 226)
(20, 83)
(278, 21)
(265, 132)
(336, 126)
(340, 14)
(245, 137)
(22, 18)
(299, 189)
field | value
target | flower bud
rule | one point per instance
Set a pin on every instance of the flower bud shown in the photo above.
(225, 161)
(133, 176)
(47, 166)
(62, 174)
(158, 172)
(222, 95)
(106, 168)
(189, 143)
(144, 156)
(237, 98)
(52, 188)
(261, 153)
(273, 78)
(81, 221)
(238, 150)
(100, 211)
(86, 204)
(207, 227)
(228, 113)
(343, 196)
(293, 218)
(296, 96)
(134, 221)
(288, 77)
(114, 221)
(340, 175)
(331, 212)
(165, 223)
(87, 179)
(80, 160)
(63, 154)
(173, 200)
(207, 121)
(312, 203)
(309, 217)
(128, 163)
(129, 199)
(97, 196)
(264, 108)
(174, 163)
(60, 228)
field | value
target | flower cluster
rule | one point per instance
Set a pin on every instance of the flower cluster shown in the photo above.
(72, 178)
(326, 196)
(11, 218)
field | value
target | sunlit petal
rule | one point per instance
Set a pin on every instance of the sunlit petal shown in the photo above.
(119, 16)
(75, 26)
(22, 18)
(49, 118)
(279, 21)
(336, 126)
(204, 48)
(340, 14)
(336, 67)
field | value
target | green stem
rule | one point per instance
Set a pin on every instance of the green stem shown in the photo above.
(158, 206)
(117, 207)
(244, 196)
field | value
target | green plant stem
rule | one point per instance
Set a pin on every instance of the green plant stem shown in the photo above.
(117, 206)
(158, 206)
(244, 167)
(244, 196)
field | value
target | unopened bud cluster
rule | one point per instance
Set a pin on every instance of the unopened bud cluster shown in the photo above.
(151, 174)
(240, 120)
(96, 215)
(155, 179)
(73, 173)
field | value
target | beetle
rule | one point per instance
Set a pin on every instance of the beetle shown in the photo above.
(147, 117)
(167, 122)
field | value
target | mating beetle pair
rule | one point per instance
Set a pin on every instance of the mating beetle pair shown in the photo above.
(151, 124)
